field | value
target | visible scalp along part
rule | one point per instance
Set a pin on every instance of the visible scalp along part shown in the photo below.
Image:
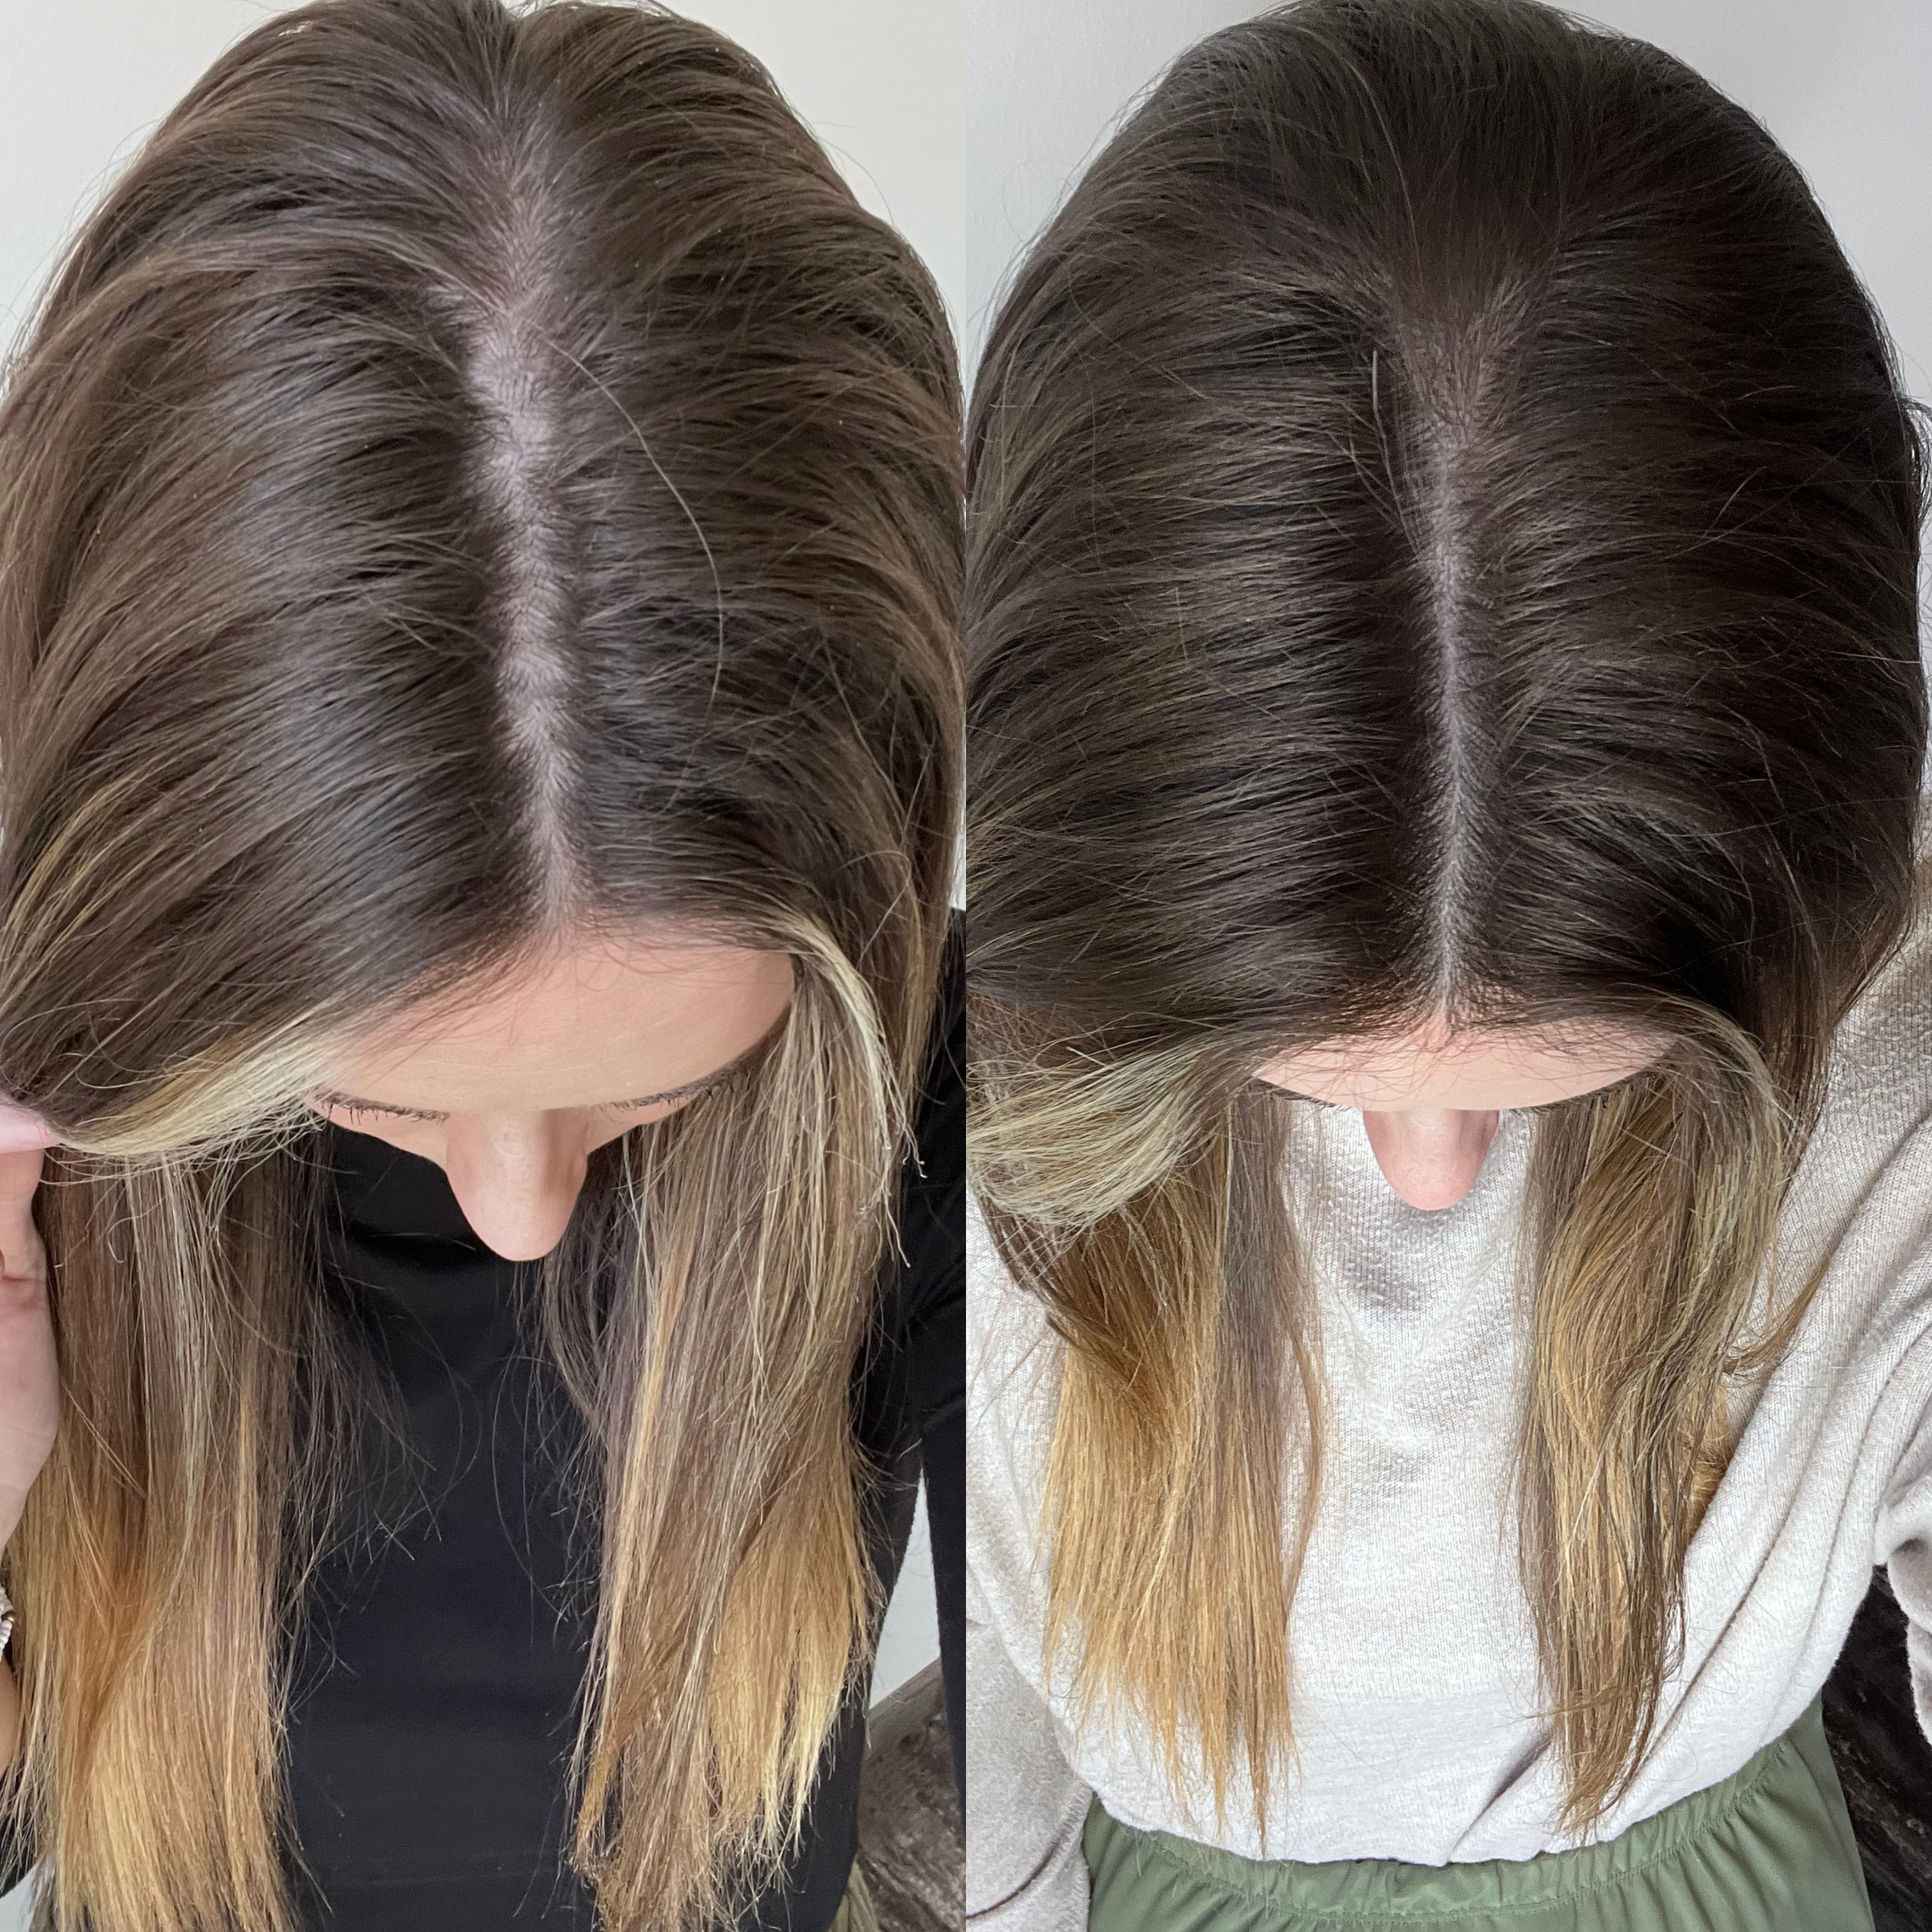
(514, 365)
(1445, 560)
(1451, 403)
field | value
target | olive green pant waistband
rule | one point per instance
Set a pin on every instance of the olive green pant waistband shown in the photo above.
(1770, 1849)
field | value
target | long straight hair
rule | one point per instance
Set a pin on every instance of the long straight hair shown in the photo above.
(477, 482)
(1442, 532)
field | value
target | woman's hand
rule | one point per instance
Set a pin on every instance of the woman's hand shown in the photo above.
(29, 1375)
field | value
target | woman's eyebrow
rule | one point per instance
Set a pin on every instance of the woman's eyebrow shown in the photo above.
(331, 1098)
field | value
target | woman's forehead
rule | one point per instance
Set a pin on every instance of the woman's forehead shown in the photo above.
(573, 1027)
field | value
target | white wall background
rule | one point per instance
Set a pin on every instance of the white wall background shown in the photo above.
(962, 121)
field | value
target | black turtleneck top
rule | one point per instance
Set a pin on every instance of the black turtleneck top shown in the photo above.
(433, 1707)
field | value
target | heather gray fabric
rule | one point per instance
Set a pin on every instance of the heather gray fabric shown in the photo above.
(1417, 1666)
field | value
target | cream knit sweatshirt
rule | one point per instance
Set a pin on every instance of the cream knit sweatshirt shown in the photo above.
(1416, 1665)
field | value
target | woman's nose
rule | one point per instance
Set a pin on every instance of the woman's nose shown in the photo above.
(1430, 1158)
(518, 1210)
(518, 1237)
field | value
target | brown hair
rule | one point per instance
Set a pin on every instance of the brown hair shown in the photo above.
(1443, 525)
(477, 480)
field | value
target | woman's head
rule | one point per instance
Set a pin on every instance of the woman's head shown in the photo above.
(521, 519)
(1454, 568)
(1443, 524)
(479, 502)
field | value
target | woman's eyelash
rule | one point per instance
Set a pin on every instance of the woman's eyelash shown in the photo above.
(1547, 1106)
(413, 1113)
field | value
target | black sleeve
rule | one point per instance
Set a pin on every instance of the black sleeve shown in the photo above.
(16, 1855)
(945, 1515)
(933, 1228)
